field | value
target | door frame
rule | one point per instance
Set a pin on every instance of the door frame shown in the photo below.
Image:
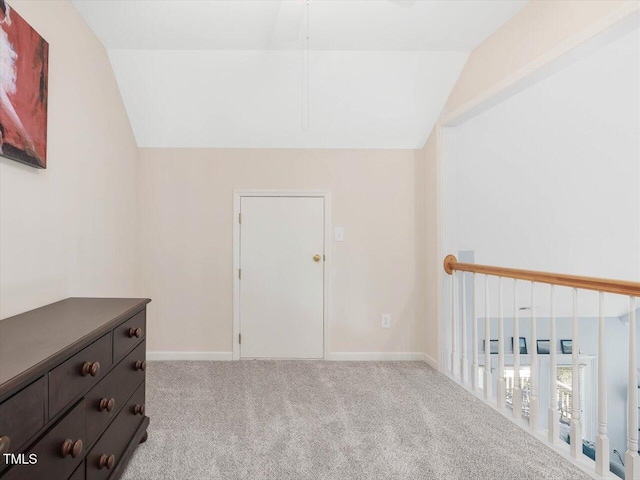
(328, 252)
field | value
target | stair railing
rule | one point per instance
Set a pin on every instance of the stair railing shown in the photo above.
(470, 374)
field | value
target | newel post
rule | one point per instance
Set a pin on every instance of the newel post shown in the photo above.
(448, 262)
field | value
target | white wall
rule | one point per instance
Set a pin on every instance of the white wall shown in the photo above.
(70, 229)
(548, 180)
(539, 32)
(255, 99)
(371, 68)
(186, 215)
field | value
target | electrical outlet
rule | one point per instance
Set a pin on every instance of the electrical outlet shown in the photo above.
(386, 320)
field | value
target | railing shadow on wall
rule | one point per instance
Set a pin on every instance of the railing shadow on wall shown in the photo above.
(522, 395)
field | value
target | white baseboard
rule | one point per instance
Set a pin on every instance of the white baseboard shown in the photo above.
(335, 356)
(377, 356)
(219, 356)
(429, 360)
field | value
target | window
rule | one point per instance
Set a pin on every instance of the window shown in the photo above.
(564, 385)
(525, 386)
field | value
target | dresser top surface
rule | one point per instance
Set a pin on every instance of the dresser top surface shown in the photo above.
(29, 340)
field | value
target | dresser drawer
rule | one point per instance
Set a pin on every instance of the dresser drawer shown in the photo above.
(21, 416)
(78, 374)
(107, 452)
(79, 473)
(59, 451)
(128, 335)
(106, 398)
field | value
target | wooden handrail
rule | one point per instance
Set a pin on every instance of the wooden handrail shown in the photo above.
(620, 287)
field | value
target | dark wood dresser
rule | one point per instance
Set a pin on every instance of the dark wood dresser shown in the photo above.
(72, 389)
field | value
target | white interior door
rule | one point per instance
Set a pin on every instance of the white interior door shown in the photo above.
(282, 284)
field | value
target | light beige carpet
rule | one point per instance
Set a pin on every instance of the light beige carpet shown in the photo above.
(282, 420)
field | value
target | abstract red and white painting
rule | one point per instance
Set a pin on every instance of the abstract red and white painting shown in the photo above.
(24, 63)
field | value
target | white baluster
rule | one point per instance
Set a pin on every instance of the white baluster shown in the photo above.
(602, 441)
(554, 417)
(517, 391)
(487, 341)
(465, 361)
(455, 369)
(576, 426)
(502, 393)
(631, 458)
(475, 369)
(533, 401)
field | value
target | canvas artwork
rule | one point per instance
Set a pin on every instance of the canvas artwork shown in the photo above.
(24, 62)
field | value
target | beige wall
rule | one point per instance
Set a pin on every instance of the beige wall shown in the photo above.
(186, 210)
(432, 262)
(70, 229)
(537, 29)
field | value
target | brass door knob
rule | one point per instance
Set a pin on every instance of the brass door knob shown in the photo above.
(316, 258)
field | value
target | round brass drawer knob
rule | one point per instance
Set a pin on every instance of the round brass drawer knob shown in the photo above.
(106, 461)
(135, 332)
(107, 404)
(138, 409)
(90, 368)
(5, 443)
(316, 258)
(69, 447)
(141, 365)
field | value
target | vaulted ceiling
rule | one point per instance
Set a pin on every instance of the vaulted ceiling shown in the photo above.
(289, 73)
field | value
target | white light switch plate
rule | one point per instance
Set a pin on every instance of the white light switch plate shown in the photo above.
(339, 234)
(386, 320)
